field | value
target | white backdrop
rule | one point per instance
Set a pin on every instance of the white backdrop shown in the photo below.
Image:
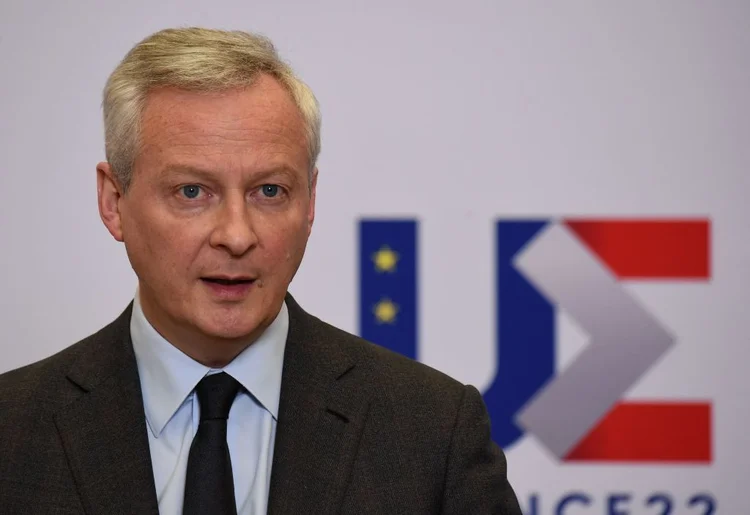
(455, 113)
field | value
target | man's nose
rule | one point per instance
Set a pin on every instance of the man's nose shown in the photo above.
(234, 228)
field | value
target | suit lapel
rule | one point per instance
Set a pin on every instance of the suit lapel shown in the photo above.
(320, 422)
(104, 431)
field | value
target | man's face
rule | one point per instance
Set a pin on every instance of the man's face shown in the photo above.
(219, 210)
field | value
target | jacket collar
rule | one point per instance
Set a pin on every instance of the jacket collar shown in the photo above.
(104, 430)
(321, 418)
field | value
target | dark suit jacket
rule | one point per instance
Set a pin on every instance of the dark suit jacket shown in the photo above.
(361, 430)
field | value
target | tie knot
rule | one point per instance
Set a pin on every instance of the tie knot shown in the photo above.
(216, 393)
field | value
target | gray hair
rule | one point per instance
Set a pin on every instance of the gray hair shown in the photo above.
(195, 59)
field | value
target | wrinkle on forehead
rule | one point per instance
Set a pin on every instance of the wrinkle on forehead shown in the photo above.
(249, 126)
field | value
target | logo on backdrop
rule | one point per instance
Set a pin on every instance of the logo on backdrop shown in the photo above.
(575, 265)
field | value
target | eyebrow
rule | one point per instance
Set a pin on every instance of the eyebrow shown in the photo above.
(186, 170)
(207, 175)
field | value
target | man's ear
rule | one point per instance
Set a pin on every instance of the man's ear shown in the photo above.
(311, 210)
(109, 194)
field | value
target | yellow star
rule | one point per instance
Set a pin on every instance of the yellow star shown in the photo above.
(385, 259)
(385, 311)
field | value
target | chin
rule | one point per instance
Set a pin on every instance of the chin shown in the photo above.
(231, 329)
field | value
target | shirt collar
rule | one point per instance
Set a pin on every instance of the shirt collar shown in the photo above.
(168, 376)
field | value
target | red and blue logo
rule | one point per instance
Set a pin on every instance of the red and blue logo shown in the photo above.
(579, 266)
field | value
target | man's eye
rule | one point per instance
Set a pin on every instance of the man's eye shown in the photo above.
(270, 190)
(191, 191)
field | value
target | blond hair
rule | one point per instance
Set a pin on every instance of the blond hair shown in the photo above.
(194, 59)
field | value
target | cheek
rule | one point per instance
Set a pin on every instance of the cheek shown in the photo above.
(284, 248)
(159, 248)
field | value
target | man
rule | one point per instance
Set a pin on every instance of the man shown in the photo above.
(214, 392)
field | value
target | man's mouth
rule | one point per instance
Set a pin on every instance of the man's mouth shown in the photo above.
(228, 282)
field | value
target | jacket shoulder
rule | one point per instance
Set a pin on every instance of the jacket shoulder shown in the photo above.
(38, 379)
(45, 381)
(406, 378)
(41, 384)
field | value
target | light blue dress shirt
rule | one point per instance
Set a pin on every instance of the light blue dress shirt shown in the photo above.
(168, 377)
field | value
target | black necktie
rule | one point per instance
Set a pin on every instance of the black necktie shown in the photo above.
(209, 485)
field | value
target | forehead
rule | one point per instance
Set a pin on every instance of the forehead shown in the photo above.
(254, 127)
